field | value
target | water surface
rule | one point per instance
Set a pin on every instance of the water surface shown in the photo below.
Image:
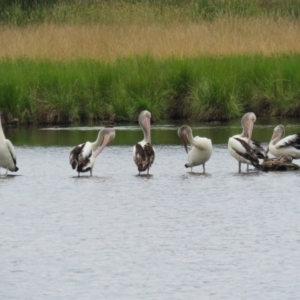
(172, 235)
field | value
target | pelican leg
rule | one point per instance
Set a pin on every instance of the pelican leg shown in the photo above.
(78, 174)
(240, 166)
(247, 167)
(203, 168)
(0, 172)
(6, 173)
(91, 173)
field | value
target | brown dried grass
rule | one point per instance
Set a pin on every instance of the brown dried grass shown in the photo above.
(224, 36)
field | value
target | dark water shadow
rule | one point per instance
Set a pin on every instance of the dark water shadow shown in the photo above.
(249, 173)
(145, 176)
(88, 177)
(9, 176)
(199, 174)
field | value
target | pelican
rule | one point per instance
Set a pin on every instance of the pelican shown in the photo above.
(242, 148)
(201, 147)
(8, 159)
(280, 145)
(247, 127)
(83, 157)
(143, 152)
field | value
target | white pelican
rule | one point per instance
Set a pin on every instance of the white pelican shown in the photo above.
(247, 126)
(83, 157)
(242, 148)
(8, 159)
(280, 145)
(143, 152)
(201, 147)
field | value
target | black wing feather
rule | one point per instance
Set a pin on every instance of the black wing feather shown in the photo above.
(249, 155)
(75, 155)
(144, 156)
(294, 142)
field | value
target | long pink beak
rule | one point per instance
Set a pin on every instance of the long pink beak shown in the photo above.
(146, 123)
(184, 141)
(106, 140)
(275, 135)
(250, 129)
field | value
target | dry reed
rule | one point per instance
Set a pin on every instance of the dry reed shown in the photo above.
(223, 36)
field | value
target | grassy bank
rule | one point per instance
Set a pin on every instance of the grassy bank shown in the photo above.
(25, 12)
(204, 88)
(67, 61)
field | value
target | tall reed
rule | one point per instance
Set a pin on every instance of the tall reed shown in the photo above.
(204, 88)
(64, 61)
(229, 36)
(24, 12)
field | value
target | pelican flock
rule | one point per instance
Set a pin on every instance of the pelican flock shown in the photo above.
(242, 147)
(280, 145)
(83, 157)
(201, 149)
(143, 152)
(8, 158)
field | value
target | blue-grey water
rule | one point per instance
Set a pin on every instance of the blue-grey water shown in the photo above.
(172, 235)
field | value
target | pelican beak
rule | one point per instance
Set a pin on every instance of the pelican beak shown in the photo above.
(275, 135)
(185, 141)
(107, 138)
(249, 129)
(146, 123)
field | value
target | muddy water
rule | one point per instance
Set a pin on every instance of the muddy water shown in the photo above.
(172, 235)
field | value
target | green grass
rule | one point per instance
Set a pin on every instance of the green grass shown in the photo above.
(23, 12)
(204, 88)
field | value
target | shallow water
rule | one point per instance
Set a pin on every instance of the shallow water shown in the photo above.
(172, 235)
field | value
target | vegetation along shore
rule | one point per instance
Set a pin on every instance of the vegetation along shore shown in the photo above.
(65, 62)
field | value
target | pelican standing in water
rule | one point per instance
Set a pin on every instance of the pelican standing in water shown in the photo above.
(280, 145)
(247, 127)
(83, 157)
(242, 148)
(8, 158)
(201, 147)
(143, 152)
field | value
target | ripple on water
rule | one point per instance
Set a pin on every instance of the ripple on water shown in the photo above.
(171, 235)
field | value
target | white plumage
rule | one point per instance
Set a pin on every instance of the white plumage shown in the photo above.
(280, 145)
(83, 157)
(201, 149)
(242, 148)
(8, 158)
(143, 152)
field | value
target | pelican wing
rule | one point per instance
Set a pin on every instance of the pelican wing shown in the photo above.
(202, 143)
(144, 156)
(86, 152)
(258, 149)
(11, 150)
(74, 155)
(246, 151)
(291, 140)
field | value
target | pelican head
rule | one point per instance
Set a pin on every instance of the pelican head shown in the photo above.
(248, 121)
(105, 136)
(144, 121)
(278, 133)
(184, 132)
